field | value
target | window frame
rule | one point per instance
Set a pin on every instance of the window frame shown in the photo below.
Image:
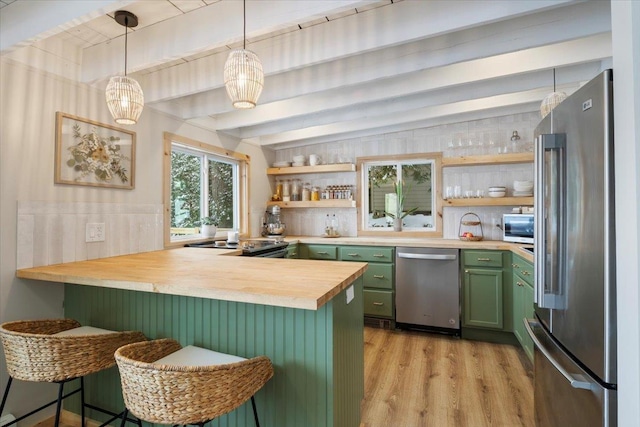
(241, 181)
(363, 164)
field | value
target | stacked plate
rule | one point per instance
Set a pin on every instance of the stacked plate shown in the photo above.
(522, 188)
(281, 164)
(299, 160)
(497, 191)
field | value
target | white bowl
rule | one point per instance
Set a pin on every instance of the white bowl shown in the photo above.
(522, 187)
(498, 189)
(299, 159)
(497, 193)
(281, 164)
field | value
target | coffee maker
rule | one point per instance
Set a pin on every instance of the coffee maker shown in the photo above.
(271, 224)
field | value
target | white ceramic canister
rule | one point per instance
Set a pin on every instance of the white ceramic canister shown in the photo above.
(233, 236)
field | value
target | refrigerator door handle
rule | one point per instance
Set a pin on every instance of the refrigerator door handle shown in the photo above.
(433, 257)
(575, 383)
(549, 219)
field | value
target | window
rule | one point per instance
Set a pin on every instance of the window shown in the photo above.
(202, 181)
(418, 175)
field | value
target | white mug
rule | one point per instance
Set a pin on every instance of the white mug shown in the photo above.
(314, 159)
(233, 236)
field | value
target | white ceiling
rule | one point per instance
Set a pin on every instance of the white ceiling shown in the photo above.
(333, 69)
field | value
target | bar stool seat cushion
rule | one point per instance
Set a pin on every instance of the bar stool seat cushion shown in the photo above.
(198, 356)
(83, 330)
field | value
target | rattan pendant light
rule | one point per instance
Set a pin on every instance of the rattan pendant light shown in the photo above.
(124, 94)
(552, 100)
(243, 75)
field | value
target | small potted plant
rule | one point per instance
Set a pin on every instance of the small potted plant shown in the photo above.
(209, 226)
(400, 213)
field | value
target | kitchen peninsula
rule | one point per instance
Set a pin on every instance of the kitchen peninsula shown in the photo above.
(306, 316)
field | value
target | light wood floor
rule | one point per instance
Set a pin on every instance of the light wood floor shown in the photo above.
(416, 379)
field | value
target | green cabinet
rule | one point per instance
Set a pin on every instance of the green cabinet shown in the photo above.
(328, 252)
(292, 251)
(487, 295)
(522, 301)
(378, 280)
(483, 297)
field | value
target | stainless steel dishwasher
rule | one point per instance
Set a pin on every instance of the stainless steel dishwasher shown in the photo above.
(428, 289)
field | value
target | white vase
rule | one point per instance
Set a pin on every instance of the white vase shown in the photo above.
(209, 230)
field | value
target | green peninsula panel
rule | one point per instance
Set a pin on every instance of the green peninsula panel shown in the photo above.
(318, 356)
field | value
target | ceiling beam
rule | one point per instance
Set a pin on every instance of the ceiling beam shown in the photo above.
(25, 22)
(487, 71)
(349, 115)
(375, 29)
(208, 28)
(577, 21)
(473, 105)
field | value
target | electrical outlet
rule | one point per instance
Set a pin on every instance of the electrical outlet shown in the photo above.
(95, 232)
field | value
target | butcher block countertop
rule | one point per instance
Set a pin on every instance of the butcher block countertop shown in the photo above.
(202, 273)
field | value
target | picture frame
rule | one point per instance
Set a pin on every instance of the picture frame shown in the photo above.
(94, 154)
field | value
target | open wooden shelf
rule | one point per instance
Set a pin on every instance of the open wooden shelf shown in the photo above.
(497, 159)
(490, 201)
(293, 170)
(332, 203)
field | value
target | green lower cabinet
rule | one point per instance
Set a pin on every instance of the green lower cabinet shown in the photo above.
(379, 276)
(487, 296)
(378, 303)
(327, 252)
(483, 304)
(379, 279)
(292, 251)
(522, 302)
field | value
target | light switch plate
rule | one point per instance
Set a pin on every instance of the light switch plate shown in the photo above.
(95, 232)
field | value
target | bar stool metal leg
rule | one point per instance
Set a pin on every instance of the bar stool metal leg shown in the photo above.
(82, 400)
(6, 393)
(59, 405)
(255, 411)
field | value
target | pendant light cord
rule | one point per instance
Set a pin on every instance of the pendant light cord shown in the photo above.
(126, 26)
(244, 24)
(554, 79)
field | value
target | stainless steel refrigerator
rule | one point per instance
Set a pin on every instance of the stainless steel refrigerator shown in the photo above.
(574, 329)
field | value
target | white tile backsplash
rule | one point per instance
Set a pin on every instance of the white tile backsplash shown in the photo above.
(497, 130)
(54, 232)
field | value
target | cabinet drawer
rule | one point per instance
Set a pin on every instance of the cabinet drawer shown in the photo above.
(523, 268)
(322, 252)
(379, 276)
(483, 258)
(362, 253)
(292, 251)
(378, 303)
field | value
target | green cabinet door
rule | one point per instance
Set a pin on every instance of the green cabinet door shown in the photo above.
(522, 301)
(483, 300)
(292, 251)
(518, 309)
(527, 342)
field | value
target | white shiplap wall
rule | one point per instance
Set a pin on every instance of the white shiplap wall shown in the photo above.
(54, 232)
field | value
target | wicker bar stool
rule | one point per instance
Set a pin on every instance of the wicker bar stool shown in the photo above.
(59, 351)
(164, 383)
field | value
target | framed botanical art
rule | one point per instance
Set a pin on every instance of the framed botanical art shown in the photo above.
(94, 154)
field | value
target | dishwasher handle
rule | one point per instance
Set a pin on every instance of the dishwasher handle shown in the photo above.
(432, 257)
